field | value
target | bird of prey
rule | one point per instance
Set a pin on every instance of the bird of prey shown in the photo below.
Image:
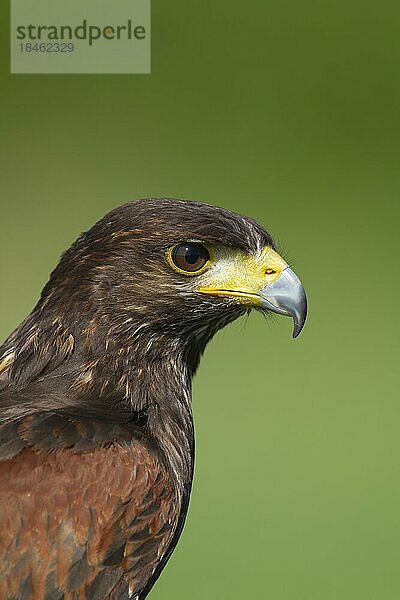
(96, 430)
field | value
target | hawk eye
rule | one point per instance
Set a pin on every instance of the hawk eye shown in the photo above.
(189, 257)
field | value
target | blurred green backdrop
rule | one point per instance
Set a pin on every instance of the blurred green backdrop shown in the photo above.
(289, 112)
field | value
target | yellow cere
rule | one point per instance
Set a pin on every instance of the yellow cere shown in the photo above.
(241, 275)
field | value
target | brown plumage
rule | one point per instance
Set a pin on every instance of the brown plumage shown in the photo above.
(96, 431)
(95, 516)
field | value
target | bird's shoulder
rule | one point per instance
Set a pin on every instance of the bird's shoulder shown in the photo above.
(87, 506)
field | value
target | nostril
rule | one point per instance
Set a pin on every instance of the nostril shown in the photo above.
(270, 271)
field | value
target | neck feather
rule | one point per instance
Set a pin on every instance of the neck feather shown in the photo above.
(108, 373)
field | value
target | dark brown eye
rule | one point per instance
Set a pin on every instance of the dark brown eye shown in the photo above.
(190, 257)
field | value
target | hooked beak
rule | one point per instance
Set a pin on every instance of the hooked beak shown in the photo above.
(263, 281)
(286, 296)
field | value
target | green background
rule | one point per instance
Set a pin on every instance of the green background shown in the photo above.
(289, 112)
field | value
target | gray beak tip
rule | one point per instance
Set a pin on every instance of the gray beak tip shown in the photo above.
(297, 329)
(301, 315)
(286, 296)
